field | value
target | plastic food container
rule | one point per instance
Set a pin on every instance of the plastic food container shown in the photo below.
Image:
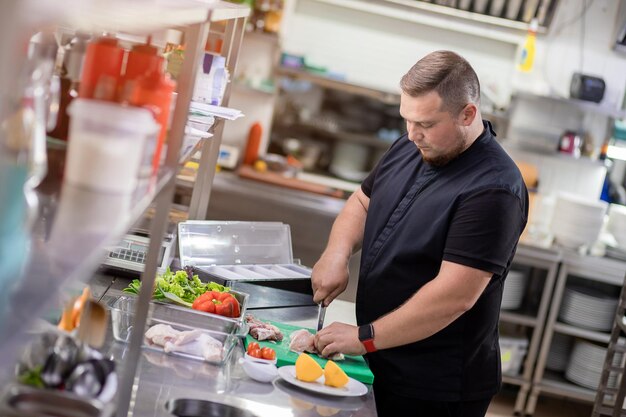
(122, 317)
(107, 142)
(123, 314)
(231, 252)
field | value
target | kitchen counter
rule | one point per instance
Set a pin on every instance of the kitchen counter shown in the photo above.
(162, 378)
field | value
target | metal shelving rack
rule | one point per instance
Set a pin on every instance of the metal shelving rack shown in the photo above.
(586, 267)
(547, 260)
(74, 253)
(610, 401)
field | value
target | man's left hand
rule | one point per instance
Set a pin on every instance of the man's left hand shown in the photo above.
(339, 337)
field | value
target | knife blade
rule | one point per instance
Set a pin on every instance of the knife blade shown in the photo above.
(321, 312)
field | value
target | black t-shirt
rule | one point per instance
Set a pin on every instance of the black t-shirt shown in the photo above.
(471, 212)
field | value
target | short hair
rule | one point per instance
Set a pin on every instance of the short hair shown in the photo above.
(447, 73)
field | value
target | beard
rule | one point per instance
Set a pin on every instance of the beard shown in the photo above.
(444, 159)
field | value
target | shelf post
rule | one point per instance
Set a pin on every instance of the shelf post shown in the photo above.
(195, 36)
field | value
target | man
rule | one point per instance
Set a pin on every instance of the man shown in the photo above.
(438, 221)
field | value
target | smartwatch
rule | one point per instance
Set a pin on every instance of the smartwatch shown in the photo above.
(366, 336)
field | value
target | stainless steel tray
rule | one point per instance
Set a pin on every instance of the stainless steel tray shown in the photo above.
(181, 319)
(123, 311)
(24, 401)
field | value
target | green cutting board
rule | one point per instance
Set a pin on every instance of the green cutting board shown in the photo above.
(353, 366)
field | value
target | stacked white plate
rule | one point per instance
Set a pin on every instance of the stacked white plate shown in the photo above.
(617, 224)
(589, 308)
(585, 365)
(577, 221)
(513, 293)
(560, 349)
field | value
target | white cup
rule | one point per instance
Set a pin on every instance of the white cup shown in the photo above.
(107, 142)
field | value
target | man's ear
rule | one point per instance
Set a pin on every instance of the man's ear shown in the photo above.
(468, 114)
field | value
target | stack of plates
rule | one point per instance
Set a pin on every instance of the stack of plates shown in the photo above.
(585, 365)
(577, 221)
(560, 349)
(513, 293)
(617, 224)
(589, 308)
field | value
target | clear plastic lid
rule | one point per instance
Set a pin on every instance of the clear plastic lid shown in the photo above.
(205, 243)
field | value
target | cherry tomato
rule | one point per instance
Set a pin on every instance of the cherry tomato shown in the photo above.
(255, 353)
(268, 353)
(252, 346)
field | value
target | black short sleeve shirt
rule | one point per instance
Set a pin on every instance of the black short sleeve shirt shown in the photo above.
(471, 212)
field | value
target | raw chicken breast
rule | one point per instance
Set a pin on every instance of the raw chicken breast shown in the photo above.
(302, 341)
(159, 334)
(191, 342)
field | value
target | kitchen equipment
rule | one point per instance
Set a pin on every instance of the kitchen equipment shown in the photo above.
(587, 87)
(571, 143)
(106, 147)
(232, 252)
(321, 313)
(129, 256)
(203, 408)
(512, 9)
(353, 366)
(496, 7)
(530, 10)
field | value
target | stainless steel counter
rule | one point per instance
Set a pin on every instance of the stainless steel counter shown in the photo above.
(162, 378)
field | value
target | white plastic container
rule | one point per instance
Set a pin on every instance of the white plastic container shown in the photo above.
(107, 142)
(512, 353)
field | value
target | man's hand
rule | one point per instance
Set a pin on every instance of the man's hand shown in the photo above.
(329, 277)
(339, 337)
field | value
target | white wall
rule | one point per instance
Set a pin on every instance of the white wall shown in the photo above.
(257, 59)
(375, 50)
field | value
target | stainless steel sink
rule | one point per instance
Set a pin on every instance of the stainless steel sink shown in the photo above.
(202, 408)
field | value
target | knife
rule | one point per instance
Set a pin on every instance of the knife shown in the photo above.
(321, 312)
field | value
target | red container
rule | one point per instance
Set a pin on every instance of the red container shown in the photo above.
(103, 64)
(154, 92)
(142, 60)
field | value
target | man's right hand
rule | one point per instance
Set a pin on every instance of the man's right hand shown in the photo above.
(329, 277)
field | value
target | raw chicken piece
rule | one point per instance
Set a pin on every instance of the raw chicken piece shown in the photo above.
(201, 345)
(263, 331)
(302, 341)
(192, 342)
(159, 334)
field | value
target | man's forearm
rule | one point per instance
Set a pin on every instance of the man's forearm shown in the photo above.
(347, 232)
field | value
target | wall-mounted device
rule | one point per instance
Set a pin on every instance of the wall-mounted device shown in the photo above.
(587, 87)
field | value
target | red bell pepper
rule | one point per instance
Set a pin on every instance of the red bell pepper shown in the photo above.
(216, 302)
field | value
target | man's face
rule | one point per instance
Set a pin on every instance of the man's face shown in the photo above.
(436, 133)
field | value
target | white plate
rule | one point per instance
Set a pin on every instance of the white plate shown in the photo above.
(353, 388)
